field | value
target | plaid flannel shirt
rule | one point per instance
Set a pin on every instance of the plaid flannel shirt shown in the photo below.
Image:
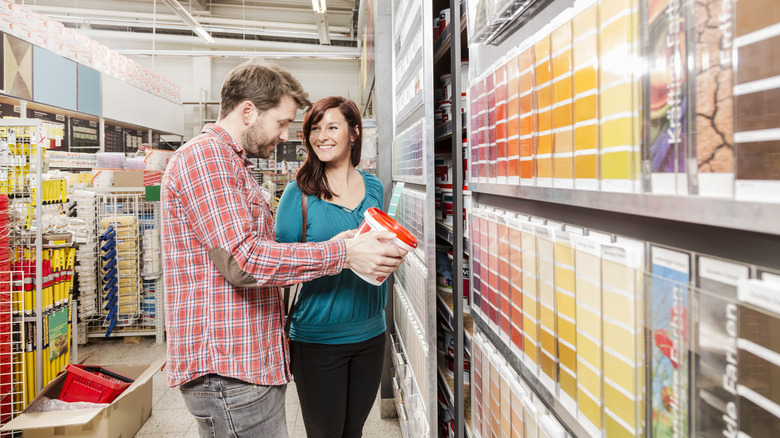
(223, 268)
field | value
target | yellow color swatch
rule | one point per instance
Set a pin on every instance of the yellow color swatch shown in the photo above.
(562, 115)
(543, 89)
(530, 296)
(585, 61)
(619, 94)
(566, 313)
(546, 284)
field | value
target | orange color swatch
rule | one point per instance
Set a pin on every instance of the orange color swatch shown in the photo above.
(542, 86)
(527, 114)
(516, 281)
(501, 128)
(512, 121)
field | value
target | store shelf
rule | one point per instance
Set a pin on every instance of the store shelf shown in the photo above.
(519, 14)
(414, 69)
(447, 383)
(567, 420)
(443, 44)
(444, 305)
(409, 109)
(724, 213)
(443, 131)
(446, 232)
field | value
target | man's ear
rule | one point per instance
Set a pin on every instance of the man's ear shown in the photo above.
(248, 111)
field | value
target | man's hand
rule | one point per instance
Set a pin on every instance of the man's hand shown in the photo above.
(370, 254)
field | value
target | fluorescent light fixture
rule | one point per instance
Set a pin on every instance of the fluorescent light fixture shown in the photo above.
(346, 54)
(191, 22)
(319, 6)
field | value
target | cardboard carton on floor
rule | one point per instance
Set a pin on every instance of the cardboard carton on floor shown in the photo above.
(121, 419)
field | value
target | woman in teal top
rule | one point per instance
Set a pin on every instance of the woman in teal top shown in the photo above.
(337, 335)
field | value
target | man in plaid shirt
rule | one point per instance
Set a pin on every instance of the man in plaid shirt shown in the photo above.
(227, 351)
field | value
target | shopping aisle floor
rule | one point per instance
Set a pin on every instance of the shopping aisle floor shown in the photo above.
(170, 418)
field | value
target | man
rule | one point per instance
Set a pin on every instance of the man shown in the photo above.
(227, 351)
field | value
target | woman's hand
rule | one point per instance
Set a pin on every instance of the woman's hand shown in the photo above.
(344, 235)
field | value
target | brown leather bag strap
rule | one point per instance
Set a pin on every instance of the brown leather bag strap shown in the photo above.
(287, 298)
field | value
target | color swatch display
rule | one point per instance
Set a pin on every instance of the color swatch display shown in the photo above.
(543, 91)
(669, 366)
(566, 317)
(526, 62)
(619, 96)
(757, 101)
(512, 120)
(515, 237)
(408, 152)
(501, 127)
(715, 395)
(493, 280)
(491, 154)
(548, 334)
(562, 99)
(585, 60)
(758, 382)
(665, 138)
(587, 262)
(482, 132)
(714, 138)
(530, 298)
(474, 125)
(621, 292)
(477, 382)
(504, 289)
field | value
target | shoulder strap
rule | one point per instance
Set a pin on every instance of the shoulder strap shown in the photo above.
(287, 299)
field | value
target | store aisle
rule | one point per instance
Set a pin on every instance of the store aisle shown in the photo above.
(170, 417)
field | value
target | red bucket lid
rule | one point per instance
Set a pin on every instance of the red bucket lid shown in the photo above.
(390, 224)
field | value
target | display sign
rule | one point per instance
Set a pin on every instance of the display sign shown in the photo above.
(84, 135)
(114, 138)
(56, 125)
(290, 151)
(133, 139)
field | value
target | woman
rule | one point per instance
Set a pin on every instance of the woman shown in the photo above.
(337, 335)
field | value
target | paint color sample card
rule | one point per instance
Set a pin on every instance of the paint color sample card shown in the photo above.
(518, 393)
(543, 88)
(548, 359)
(528, 120)
(757, 100)
(491, 155)
(665, 138)
(495, 393)
(618, 96)
(506, 400)
(759, 358)
(493, 295)
(482, 135)
(476, 386)
(531, 417)
(585, 61)
(530, 298)
(562, 112)
(515, 234)
(512, 121)
(487, 397)
(550, 428)
(485, 266)
(566, 314)
(715, 394)
(714, 98)
(495, 299)
(476, 261)
(504, 289)
(669, 364)
(587, 261)
(501, 116)
(473, 129)
(621, 288)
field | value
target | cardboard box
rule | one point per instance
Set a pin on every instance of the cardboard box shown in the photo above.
(128, 178)
(121, 419)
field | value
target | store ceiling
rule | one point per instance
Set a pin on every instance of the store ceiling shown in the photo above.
(147, 27)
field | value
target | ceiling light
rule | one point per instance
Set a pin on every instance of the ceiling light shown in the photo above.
(319, 6)
(191, 22)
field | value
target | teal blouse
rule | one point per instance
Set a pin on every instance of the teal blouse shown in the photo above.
(342, 308)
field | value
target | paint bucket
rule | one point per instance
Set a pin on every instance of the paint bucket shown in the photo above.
(376, 219)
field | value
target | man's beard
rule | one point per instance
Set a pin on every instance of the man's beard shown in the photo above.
(255, 142)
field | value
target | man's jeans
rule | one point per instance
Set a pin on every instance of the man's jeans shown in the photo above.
(225, 407)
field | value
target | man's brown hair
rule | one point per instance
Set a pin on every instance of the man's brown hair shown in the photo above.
(262, 83)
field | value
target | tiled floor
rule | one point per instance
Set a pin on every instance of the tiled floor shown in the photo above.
(170, 418)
